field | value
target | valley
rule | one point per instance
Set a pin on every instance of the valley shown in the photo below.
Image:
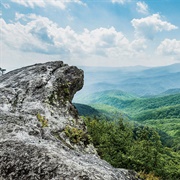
(147, 100)
(145, 95)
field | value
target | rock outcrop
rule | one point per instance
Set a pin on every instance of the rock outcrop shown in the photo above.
(41, 135)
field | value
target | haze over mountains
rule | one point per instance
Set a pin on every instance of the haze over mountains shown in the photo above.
(137, 80)
(149, 96)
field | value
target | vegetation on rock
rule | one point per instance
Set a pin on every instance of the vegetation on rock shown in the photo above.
(29, 150)
(77, 135)
(42, 120)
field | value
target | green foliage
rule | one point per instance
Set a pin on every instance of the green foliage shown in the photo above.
(85, 110)
(149, 176)
(134, 105)
(109, 112)
(171, 127)
(154, 153)
(138, 148)
(76, 135)
(42, 120)
(161, 112)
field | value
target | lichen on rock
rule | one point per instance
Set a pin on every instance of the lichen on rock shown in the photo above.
(41, 134)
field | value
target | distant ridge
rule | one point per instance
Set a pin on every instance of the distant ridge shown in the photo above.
(171, 91)
(137, 80)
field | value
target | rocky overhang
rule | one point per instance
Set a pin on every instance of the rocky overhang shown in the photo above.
(41, 134)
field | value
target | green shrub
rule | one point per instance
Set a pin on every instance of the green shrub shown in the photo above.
(76, 135)
(149, 176)
(42, 120)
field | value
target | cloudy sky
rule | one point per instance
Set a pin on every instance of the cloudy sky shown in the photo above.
(90, 32)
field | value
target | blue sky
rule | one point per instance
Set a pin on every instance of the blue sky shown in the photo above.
(90, 32)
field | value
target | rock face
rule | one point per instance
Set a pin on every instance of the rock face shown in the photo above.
(41, 135)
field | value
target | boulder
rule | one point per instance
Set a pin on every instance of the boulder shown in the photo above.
(41, 134)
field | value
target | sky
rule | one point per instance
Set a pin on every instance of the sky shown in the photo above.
(111, 33)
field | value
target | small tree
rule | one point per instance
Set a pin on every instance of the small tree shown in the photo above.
(2, 71)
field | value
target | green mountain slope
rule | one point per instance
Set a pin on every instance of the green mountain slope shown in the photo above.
(85, 110)
(159, 113)
(131, 104)
(106, 96)
(162, 112)
(101, 111)
(134, 147)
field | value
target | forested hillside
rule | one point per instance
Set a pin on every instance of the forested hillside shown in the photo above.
(162, 112)
(146, 140)
(147, 103)
(134, 147)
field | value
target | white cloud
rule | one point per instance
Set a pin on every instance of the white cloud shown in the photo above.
(33, 36)
(30, 3)
(120, 1)
(139, 45)
(12, 59)
(142, 7)
(169, 47)
(42, 3)
(149, 26)
(100, 40)
(19, 16)
(41, 36)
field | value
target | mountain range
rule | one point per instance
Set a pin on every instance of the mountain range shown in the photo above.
(149, 96)
(138, 80)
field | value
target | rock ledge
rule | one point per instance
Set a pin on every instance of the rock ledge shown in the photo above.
(38, 124)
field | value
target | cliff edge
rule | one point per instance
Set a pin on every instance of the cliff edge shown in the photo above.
(41, 134)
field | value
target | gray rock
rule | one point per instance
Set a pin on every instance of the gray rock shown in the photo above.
(38, 124)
